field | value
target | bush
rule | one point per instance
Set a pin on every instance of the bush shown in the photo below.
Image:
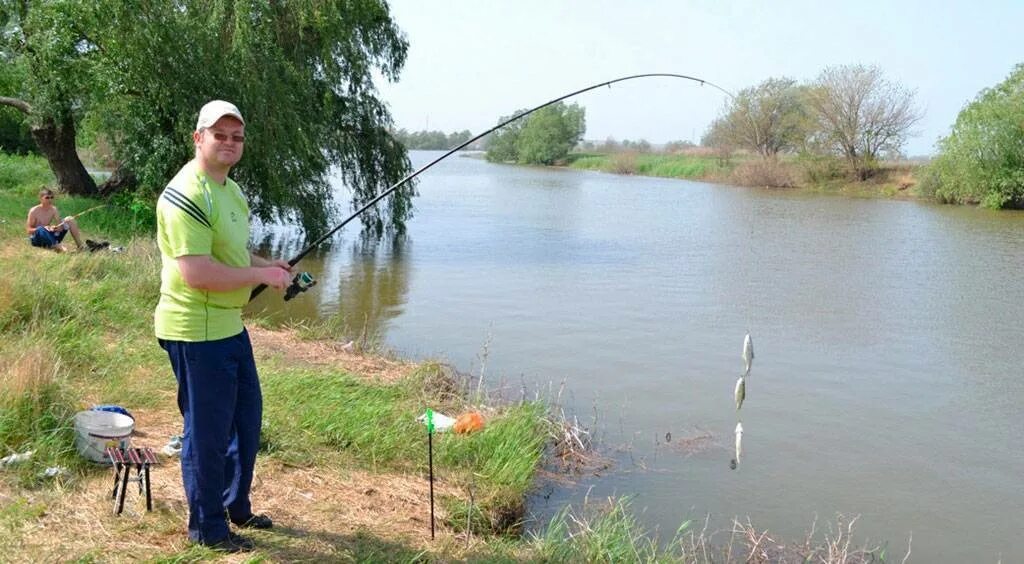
(982, 160)
(622, 163)
(24, 175)
(820, 168)
(762, 172)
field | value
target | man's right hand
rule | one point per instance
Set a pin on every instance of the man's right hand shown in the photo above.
(275, 277)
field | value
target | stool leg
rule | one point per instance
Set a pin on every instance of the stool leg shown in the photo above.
(117, 480)
(124, 489)
(149, 497)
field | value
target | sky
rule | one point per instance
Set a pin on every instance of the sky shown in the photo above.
(471, 62)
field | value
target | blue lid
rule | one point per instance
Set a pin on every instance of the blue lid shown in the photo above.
(113, 409)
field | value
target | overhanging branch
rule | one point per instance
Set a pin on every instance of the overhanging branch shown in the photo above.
(16, 103)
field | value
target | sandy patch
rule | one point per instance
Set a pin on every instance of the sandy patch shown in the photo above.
(286, 344)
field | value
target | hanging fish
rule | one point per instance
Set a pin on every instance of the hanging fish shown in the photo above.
(739, 441)
(741, 392)
(748, 353)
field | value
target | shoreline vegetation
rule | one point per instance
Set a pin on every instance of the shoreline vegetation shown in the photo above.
(342, 466)
(802, 173)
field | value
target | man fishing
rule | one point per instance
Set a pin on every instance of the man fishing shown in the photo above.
(206, 276)
(45, 227)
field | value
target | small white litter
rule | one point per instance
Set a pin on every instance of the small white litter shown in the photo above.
(17, 458)
(173, 447)
(442, 422)
(55, 472)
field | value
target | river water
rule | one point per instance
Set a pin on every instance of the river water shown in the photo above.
(887, 381)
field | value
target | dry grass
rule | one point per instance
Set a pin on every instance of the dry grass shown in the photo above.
(314, 509)
(763, 173)
(29, 375)
(285, 345)
(323, 513)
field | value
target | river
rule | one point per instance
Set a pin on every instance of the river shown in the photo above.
(887, 381)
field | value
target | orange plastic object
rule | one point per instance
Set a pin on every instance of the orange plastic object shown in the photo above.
(469, 422)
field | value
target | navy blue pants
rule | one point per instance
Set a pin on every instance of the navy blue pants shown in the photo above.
(219, 397)
(43, 237)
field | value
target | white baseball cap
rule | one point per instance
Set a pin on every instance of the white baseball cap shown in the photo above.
(216, 109)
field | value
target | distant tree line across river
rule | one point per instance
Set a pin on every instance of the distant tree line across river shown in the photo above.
(431, 140)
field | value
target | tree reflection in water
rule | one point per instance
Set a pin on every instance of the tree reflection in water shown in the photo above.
(362, 283)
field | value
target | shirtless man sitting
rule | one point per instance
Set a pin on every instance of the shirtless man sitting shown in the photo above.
(45, 227)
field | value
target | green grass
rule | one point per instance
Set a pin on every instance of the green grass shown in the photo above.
(24, 175)
(375, 425)
(650, 164)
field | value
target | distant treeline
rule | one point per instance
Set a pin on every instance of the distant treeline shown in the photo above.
(431, 140)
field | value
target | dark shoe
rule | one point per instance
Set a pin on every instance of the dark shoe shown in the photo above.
(255, 521)
(231, 544)
(97, 245)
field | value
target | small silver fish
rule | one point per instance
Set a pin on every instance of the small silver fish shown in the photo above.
(739, 441)
(748, 354)
(741, 392)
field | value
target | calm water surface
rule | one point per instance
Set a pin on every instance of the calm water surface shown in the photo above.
(887, 382)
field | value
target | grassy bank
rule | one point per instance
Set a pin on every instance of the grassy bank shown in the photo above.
(342, 465)
(76, 330)
(822, 174)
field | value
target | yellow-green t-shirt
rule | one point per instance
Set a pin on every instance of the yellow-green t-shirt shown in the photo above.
(197, 216)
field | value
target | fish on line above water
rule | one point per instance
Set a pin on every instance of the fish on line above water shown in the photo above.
(741, 392)
(748, 354)
(739, 441)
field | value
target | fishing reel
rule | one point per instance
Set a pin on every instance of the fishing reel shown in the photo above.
(302, 282)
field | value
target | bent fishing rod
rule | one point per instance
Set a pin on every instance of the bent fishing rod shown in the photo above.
(303, 281)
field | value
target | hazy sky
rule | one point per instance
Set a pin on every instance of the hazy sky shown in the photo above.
(471, 62)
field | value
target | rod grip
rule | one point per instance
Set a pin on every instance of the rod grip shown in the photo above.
(257, 291)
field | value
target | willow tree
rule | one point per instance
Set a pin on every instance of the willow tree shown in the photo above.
(137, 73)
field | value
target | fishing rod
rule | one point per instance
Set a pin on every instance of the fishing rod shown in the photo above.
(303, 281)
(94, 208)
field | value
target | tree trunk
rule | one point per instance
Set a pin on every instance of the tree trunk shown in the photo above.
(122, 179)
(57, 143)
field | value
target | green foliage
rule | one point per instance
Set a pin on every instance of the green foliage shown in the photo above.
(24, 175)
(982, 159)
(550, 133)
(501, 144)
(768, 119)
(544, 137)
(15, 137)
(432, 140)
(301, 73)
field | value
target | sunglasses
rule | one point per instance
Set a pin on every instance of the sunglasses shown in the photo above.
(222, 137)
(47, 197)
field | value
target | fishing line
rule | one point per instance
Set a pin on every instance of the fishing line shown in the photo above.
(258, 289)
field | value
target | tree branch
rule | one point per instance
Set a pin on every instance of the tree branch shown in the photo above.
(16, 103)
